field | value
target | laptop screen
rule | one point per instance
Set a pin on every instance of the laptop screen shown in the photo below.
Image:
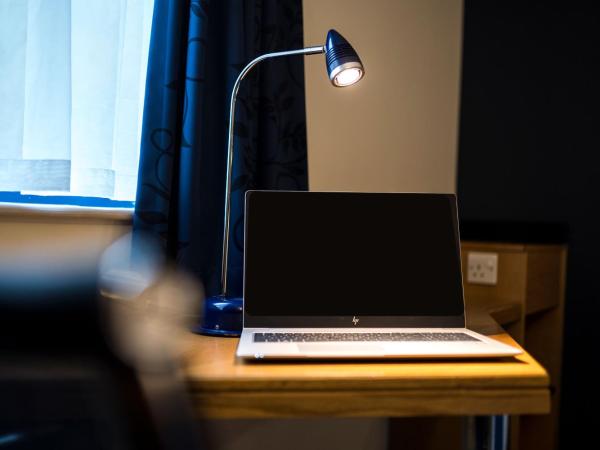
(344, 254)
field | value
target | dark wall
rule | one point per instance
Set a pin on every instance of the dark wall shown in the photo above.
(529, 150)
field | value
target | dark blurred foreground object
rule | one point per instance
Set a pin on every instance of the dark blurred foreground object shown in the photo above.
(89, 350)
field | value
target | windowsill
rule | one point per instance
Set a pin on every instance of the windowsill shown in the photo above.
(65, 213)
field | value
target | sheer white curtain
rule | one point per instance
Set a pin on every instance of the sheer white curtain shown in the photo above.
(71, 95)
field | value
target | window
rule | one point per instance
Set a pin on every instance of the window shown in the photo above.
(71, 97)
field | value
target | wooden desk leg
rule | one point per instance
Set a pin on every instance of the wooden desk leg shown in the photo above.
(486, 433)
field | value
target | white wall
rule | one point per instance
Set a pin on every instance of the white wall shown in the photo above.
(396, 130)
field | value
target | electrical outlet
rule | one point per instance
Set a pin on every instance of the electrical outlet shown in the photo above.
(482, 268)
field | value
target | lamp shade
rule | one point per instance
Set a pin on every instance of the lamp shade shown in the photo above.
(344, 67)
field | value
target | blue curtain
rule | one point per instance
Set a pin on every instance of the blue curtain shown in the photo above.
(197, 49)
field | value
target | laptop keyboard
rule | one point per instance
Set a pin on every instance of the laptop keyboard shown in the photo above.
(352, 337)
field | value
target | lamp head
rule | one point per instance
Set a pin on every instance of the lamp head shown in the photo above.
(344, 67)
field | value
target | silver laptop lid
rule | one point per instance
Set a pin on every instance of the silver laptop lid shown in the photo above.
(340, 259)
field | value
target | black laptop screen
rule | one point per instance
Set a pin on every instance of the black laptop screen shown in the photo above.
(345, 254)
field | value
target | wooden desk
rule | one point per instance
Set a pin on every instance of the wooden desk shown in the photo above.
(223, 387)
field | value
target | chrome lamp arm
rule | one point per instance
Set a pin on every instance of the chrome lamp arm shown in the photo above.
(222, 314)
(234, 92)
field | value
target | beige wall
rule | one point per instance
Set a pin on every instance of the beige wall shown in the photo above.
(396, 130)
(48, 232)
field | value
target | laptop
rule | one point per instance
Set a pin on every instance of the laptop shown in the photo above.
(355, 275)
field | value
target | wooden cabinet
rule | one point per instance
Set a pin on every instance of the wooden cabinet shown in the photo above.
(528, 301)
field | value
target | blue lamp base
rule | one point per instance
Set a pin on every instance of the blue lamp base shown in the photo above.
(222, 317)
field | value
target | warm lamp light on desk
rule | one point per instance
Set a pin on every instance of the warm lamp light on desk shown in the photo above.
(222, 313)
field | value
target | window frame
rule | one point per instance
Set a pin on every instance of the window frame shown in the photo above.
(63, 200)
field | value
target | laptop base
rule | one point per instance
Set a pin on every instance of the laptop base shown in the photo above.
(479, 347)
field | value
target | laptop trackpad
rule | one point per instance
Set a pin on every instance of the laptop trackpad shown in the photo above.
(341, 348)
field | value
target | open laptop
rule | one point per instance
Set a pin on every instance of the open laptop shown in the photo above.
(355, 275)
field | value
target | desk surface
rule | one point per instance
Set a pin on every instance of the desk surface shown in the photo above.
(225, 387)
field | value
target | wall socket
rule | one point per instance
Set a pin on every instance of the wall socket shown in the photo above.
(482, 268)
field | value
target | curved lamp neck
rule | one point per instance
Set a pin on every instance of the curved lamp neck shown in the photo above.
(234, 92)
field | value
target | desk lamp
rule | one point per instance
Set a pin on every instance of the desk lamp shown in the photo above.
(222, 313)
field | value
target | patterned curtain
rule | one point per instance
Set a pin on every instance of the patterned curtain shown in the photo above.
(197, 49)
